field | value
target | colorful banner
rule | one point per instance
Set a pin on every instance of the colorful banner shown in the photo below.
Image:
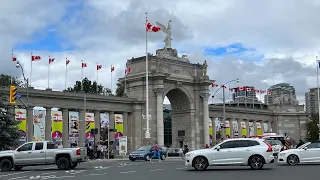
(123, 144)
(259, 128)
(265, 128)
(118, 125)
(235, 128)
(251, 129)
(56, 129)
(243, 129)
(104, 120)
(210, 130)
(39, 121)
(21, 115)
(218, 128)
(227, 126)
(73, 127)
(89, 126)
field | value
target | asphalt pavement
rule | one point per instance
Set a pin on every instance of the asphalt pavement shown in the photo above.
(168, 169)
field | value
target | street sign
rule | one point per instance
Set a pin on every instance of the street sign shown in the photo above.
(19, 96)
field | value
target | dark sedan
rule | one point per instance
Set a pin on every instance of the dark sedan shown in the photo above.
(145, 153)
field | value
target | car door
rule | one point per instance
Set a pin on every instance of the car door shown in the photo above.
(23, 154)
(241, 152)
(38, 153)
(311, 153)
(224, 155)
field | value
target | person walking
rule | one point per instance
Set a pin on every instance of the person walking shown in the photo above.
(156, 152)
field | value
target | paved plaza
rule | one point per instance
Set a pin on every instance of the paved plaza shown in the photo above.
(168, 169)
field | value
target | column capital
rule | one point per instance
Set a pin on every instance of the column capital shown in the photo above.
(158, 91)
(205, 96)
(64, 109)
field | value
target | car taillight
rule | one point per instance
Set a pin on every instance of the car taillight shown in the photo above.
(269, 147)
(78, 152)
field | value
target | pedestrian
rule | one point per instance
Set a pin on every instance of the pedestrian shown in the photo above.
(156, 152)
(99, 150)
(207, 146)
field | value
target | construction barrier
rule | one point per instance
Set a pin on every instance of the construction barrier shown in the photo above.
(287, 144)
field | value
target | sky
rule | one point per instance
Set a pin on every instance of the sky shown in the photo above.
(260, 42)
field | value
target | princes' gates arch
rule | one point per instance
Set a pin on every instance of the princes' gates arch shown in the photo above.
(187, 87)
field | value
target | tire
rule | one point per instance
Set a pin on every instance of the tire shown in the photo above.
(132, 159)
(256, 162)
(74, 165)
(63, 163)
(200, 163)
(163, 157)
(293, 160)
(147, 158)
(18, 168)
(6, 165)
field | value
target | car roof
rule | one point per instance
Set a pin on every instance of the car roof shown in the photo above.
(250, 139)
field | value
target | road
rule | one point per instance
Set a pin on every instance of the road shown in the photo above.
(169, 169)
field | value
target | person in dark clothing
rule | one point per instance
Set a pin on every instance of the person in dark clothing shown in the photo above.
(207, 146)
(300, 143)
(156, 153)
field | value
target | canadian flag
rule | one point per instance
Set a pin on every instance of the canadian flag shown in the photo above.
(84, 65)
(14, 59)
(214, 85)
(51, 60)
(240, 88)
(249, 89)
(35, 58)
(67, 61)
(128, 70)
(269, 93)
(231, 89)
(99, 67)
(151, 28)
(112, 68)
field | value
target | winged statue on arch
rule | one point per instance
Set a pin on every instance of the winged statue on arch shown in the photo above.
(167, 31)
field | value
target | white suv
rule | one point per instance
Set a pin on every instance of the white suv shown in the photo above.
(241, 151)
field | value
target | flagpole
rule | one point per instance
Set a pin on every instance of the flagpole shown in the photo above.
(31, 72)
(65, 79)
(12, 55)
(318, 66)
(147, 134)
(125, 81)
(111, 80)
(253, 97)
(49, 72)
(82, 73)
(97, 78)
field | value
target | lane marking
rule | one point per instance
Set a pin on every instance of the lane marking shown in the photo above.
(128, 172)
(18, 178)
(156, 170)
(182, 168)
(48, 173)
(5, 175)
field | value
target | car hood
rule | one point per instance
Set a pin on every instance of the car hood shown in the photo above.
(291, 150)
(140, 152)
(4, 152)
(200, 151)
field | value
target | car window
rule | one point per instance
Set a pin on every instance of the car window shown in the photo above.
(26, 147)
(313, 145)
(228, 144)
(51, 146)
(241, 143)
(39, 146)
(253, 143)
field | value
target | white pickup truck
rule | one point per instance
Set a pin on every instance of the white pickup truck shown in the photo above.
(41, 153)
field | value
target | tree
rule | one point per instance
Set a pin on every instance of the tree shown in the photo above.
(9, 136)
(89, 87)
(312, 128)
(120, 89)
(5, 81)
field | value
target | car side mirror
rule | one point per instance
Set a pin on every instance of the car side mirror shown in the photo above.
(218, 148)
(305, 148)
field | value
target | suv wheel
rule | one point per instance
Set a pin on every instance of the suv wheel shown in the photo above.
(293, 160)
(256, 162)
(6, 165)
(200, 163)
(63, 163)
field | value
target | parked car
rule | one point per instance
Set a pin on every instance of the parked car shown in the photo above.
(145, 153)
(307, 153)
(240, 151)
(41, 153)
(277, 146)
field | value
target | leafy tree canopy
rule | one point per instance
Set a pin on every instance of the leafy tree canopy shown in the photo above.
(120, 90)
(89, 87)
(312, 128)
(5, 81)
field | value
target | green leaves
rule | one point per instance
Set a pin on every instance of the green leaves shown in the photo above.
(89, 87)
(312, 128)
(5, 81)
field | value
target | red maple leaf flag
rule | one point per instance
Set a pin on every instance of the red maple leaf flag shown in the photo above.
(231, 89)
(51, 60)
(112, 68)
(151, 28)
(35, 58)
(67, 61)
(99, 67)
(14, 59)
(128, 70)
(269, 93)
(214, 85)
(84, 65)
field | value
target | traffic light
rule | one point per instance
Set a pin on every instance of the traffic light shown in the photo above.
(13, 94)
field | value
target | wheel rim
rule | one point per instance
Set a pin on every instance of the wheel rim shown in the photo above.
(292, 160)
(200, 163)
(63, 164)
(148, 158)
(6, 165)
(256, 162)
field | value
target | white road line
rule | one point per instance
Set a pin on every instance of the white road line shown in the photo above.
(48, 173)
(18, 178)
(128, 172)
(182, 168)
(52, 167)
(13, 174)
(156, 170)
(119, 166)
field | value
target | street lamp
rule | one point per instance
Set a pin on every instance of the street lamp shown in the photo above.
(224, 98)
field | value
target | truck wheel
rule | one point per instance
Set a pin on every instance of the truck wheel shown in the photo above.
(18, 168)
(73, 165)
(63, 163)
(6, 165)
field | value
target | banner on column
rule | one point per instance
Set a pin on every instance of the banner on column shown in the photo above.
(227, 126)
(39, 121)
(118, 125)
(259, 129)
(235, 128)
(243, 129)
(104, 120)
(73, 127)
(21, 115)
(265, 128)
(251, 129)
(218, 128)
(89, 126)
(210, 130)
(123, 143)
(56, 117)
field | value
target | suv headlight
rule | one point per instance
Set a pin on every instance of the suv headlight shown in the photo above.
(189, 154)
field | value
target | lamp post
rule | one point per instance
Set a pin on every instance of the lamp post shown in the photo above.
(224, 98)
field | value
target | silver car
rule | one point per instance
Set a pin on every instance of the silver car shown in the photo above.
(277, 146)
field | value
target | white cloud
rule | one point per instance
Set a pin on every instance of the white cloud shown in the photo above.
(284, 32)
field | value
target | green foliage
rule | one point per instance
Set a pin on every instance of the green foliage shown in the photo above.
(5, 81)
(120, 90)
(89, 87)
(312, 128)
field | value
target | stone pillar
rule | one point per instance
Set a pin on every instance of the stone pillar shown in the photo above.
(48, 125)
(160, 126)
(111, 125)
(269, 126)
(255, 133)
(239, 128)
(82, 128)
(30, 130)
(65, 128)
(97, 125)
(205, 97)
(247, 127)
(125, 123)
(231, 127)
(214, 131)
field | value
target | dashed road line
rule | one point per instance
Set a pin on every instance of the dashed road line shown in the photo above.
(182, 168)
(156, 170)
(128, 172)
(18, 178)
(5, 175)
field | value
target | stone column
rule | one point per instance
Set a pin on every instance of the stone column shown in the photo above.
(111, 125)
(214, 131)
(255, 133)
(82, 128)
(247, 127)
(239, 128)
(269, 126)
(205, 97)
(160, 126)
(125, 123)
(65, 128)
(97, 125)
(231, 127)
(30, 130)
(48, 125)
